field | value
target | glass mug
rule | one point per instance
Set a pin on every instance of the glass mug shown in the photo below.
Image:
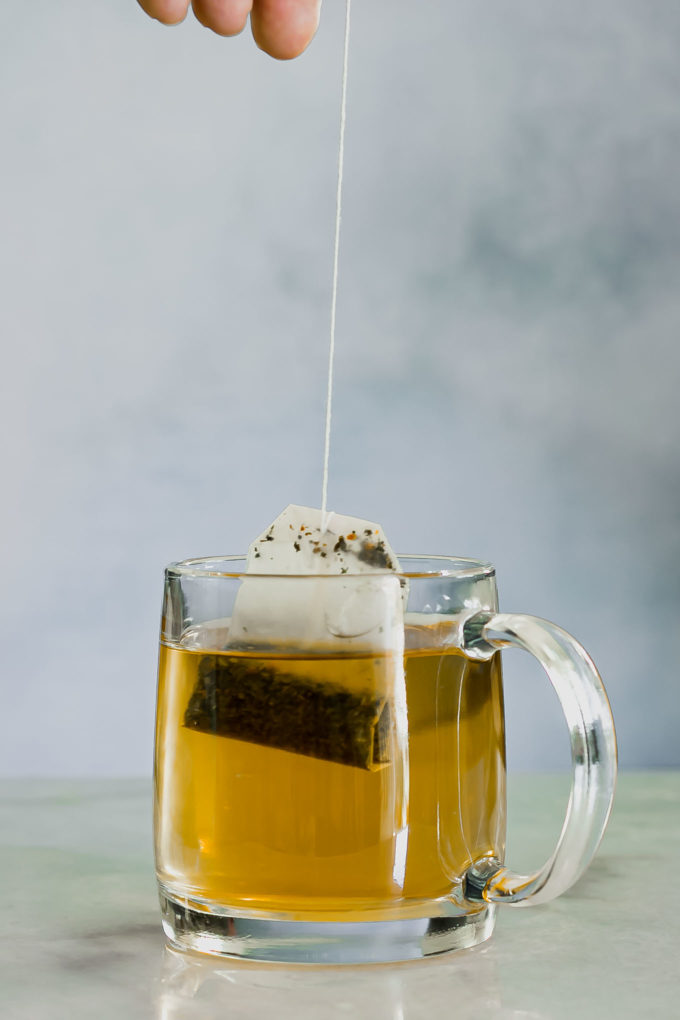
(342, 800)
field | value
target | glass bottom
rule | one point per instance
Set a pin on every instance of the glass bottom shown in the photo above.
(321, 942)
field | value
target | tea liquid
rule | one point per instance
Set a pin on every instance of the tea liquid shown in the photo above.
(253, 826)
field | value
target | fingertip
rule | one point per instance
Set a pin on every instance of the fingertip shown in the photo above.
(225, 20)
(284, 28)
(281, 50)
(167, 12)
(171, 22)
(224, 31)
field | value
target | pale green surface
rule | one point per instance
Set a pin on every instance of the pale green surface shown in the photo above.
(81, 938)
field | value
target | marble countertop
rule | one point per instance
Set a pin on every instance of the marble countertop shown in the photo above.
(81, 936)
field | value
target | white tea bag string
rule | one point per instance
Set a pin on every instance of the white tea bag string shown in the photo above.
(336, 252)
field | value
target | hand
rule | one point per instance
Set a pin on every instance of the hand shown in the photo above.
(282, 28)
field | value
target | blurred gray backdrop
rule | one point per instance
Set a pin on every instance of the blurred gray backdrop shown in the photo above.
(507, 364)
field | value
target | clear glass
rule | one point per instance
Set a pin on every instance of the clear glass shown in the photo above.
(331, 789)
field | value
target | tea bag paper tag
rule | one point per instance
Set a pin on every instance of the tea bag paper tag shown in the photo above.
(363, 607)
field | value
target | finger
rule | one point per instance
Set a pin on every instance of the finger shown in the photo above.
(226, 17)
(170, 12)
(284, 28)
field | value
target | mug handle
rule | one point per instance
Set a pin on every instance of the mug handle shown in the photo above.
(584, 702)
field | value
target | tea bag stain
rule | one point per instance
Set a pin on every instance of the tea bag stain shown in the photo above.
(256, 703)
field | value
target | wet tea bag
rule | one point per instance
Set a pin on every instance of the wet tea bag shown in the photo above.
(248, 699)
(295, 611)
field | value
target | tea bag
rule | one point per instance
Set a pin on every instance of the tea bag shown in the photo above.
(295, 610)
(248, 699)
(361, 612)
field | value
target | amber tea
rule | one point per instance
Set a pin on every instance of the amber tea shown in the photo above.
(320, 784)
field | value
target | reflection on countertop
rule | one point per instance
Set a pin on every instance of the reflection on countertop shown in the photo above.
(200, 988)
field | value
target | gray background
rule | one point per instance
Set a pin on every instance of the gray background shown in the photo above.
(507, 334)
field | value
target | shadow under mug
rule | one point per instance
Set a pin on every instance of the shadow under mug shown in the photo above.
(330, 761)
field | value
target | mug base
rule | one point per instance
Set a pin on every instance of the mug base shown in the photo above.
(326, 943)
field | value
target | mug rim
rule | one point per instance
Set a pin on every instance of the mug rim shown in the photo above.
(461, 567)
